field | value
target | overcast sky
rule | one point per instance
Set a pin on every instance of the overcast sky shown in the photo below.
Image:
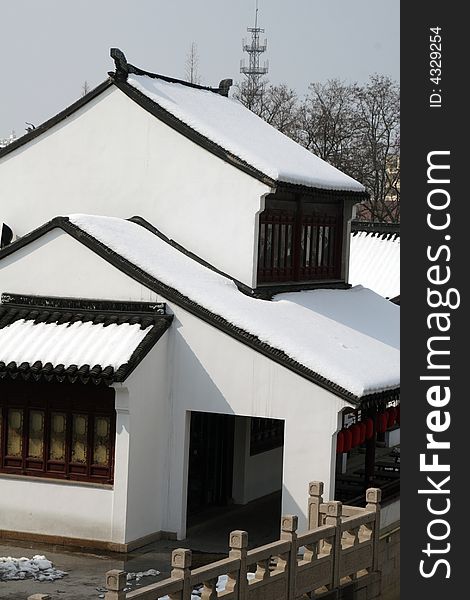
(50, 47)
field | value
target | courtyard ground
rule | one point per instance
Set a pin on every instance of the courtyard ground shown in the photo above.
(207, 537)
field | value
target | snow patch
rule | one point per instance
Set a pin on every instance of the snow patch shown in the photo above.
(37, 568)
(138, 576)
(70, 344)
(375, 263)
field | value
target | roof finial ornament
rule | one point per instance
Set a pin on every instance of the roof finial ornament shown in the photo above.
(122, 67)
(224, 86)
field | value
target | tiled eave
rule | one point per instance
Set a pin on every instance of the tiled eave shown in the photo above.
(60, 311)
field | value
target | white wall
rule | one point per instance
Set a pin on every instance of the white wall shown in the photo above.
(254, 476)
(390, 513)
(392, 437)
(207, 371)
(57, 265)
(215, 373)
(55, 508)
(264, 474)
(149, 410)
(113, 158)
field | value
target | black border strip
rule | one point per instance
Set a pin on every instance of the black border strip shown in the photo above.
(133, 70)
(184, 302)
(91, 305)
(375, 227)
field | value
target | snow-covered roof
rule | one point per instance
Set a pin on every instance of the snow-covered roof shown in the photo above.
(221, 124)
(55, 342)
(347, 337)
(374, 262)
(229, 124)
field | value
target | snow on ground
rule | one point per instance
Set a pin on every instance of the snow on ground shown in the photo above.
(235, 128)
(37, 568)
(138, 576)
(374, 262)
(70, 344)
(346, 336)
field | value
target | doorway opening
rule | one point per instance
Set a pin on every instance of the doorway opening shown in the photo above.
(210, 462)
(234, 477)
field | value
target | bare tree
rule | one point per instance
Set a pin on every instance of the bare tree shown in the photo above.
(326, 122)
(276, 104)
(192, 65)
(378, 147)
(251, 92)
(85, 88)
(355, 128)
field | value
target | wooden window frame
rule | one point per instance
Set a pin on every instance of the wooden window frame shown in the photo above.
(284, 263)
(71, 399)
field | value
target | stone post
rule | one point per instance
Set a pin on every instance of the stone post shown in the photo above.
(373, 497)
(238, 542)
(181, 559)
(115, 583)
(289, 525)
(315, 490)
(334, 511)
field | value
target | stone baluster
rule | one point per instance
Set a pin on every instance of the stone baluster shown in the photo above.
(334, 511)
(289, 525)
(115, 583)
(181, 559)
(209, 590)
(373, 498)
(315, 490)
(238, 542)
(262, 569)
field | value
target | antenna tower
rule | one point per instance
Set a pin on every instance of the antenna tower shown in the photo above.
(255, 48)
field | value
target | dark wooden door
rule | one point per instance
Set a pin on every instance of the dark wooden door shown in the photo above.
(210, 461)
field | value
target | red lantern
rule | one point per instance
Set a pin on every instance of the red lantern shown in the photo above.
(356, 435)
(347, 440)
(382, 421)
(392, 417)
(340, 442)
(363, 432)
(369, 428)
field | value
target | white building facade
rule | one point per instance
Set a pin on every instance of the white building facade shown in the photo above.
(227, 209)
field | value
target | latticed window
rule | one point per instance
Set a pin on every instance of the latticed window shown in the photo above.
(299, 241)
(57, 430)
(276, 245)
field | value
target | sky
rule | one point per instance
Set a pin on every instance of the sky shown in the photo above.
(49, 48)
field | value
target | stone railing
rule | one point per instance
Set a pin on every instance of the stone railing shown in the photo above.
(340, 547)
(339, 550)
